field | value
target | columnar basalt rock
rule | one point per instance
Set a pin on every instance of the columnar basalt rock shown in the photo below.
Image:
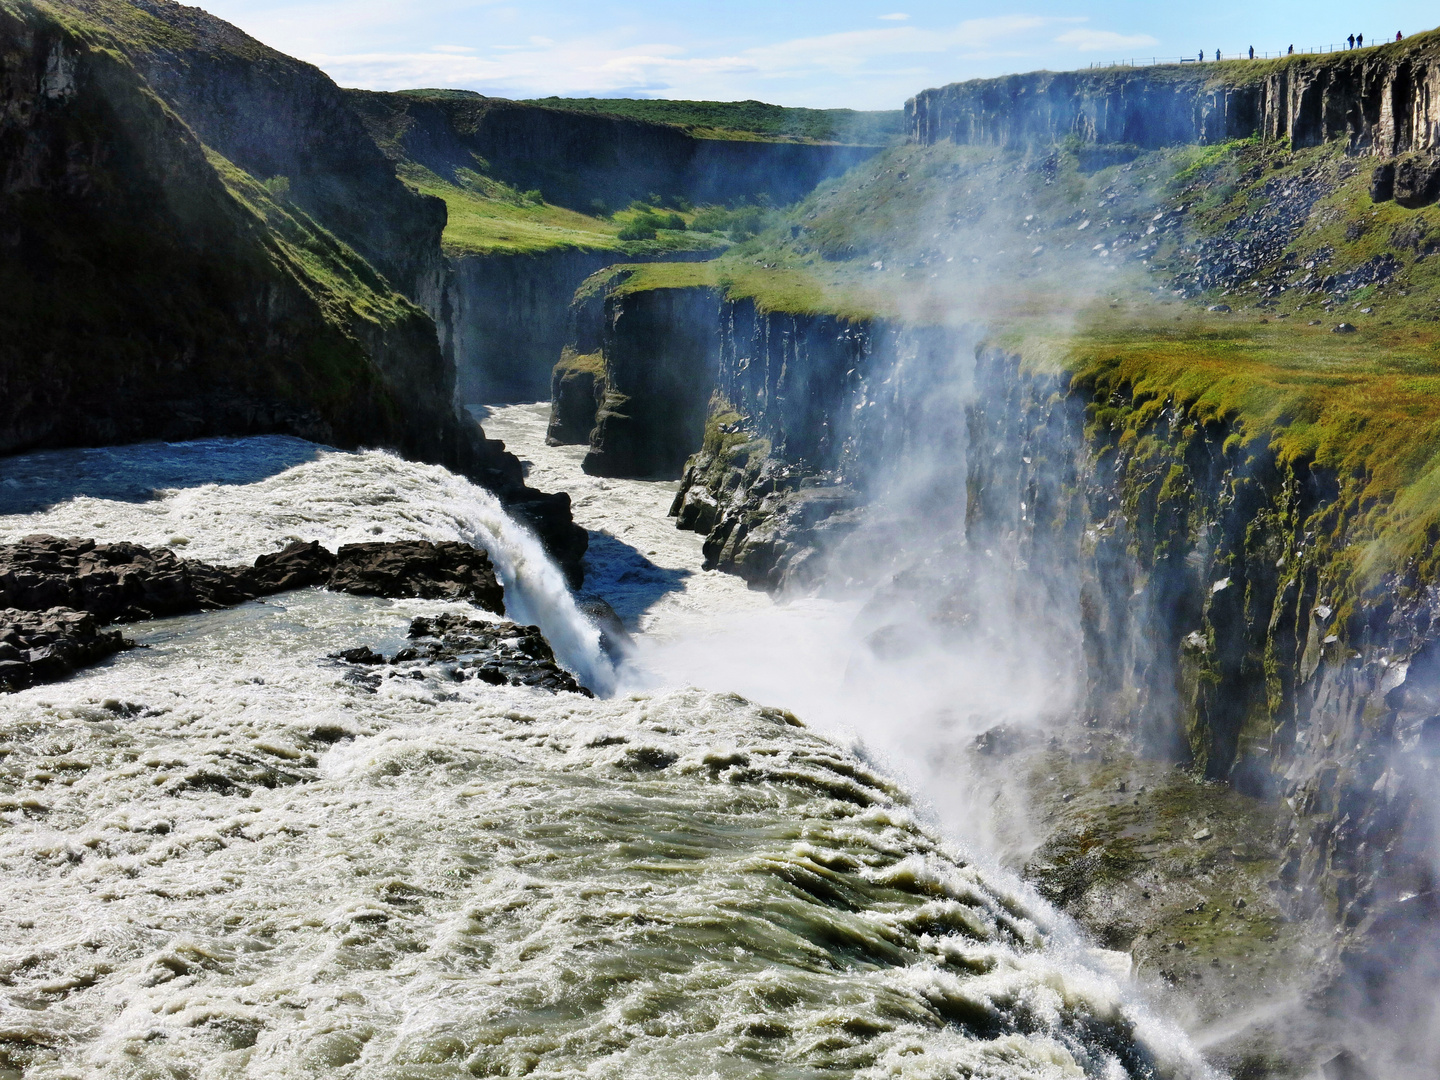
(1383, 101)
(659, 349)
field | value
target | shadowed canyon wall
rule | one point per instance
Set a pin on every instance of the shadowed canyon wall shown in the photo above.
(155, 288)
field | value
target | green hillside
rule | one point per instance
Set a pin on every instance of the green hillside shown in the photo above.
(748, 119)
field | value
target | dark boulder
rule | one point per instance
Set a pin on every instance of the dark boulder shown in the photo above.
(298, 566)
(43, 646)
(418, 568)
(1417, 181)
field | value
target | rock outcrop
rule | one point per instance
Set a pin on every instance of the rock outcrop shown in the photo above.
(45, 646)
(57, 594)
(659, 356)
(577, 388)
(418, 568)
(459, 649)
(1381, 100)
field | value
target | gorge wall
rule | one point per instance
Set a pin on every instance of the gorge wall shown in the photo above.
(503, 314)
(1198, 582)
(577, 159)
(155, 288)
(1385, 101)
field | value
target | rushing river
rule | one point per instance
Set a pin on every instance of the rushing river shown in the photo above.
(220, 858)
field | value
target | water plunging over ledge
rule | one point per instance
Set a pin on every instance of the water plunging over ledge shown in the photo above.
(221, 858)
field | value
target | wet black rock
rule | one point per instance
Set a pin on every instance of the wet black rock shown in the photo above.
(56, 594)
(114, 582)
(501, 654)
(614, 638)
(418, 568)
(43, 646)
(298, 566)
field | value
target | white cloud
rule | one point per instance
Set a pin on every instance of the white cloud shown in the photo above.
(1104, 40)
(595, 66)
(389, 45)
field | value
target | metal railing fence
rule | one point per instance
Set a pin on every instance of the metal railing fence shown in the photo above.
(1237, 55)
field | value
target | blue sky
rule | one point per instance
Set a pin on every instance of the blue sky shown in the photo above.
(815, 53)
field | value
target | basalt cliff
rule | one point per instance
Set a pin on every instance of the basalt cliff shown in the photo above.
(200, 238)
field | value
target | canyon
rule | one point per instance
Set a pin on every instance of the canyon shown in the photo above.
(1115, 389)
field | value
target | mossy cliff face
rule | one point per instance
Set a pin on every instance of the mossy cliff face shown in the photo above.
(275, 116)
(141, 297)
(1383, 100)
(1216, 630)
(152, 288)
(1204, 582)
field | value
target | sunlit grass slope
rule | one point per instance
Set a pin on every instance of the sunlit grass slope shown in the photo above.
(748, 119)
(1102, 264)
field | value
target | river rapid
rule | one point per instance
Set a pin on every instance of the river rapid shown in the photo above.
(221, 858)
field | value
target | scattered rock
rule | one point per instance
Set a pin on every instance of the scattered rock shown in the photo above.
(1343, 328)
(1223, 309)
(502, 654)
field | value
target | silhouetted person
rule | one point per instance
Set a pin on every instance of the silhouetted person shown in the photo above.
(1217, 54)
(1202, 56)
(1360, 41)
(1351, 39)
(1292, 51)
(1399, 36)
(1252, 52)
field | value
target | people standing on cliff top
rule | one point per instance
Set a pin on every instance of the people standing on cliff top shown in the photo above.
(1351, 39)
(1360, 41)
(1202, 56)
(1252, 52)
(1292, 51)
(1217, 55)
(1399, 36)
